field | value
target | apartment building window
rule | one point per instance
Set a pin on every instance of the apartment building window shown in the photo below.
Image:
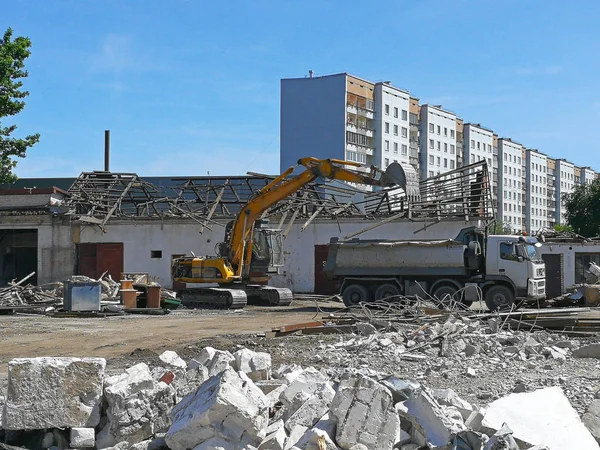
(472, 159)
(452, 164)
(387, 162)
(489, 148)
(519, 159)
(387, 146)
(439, 146)
(445, 148)
(490, 162)
(446, 163)
(431, 128)
(505, 156)
(478, 146)
(387, 110)
(439, 130)
(395, 147)
(439, 161)
(404, 149)
(404, 114)
(452, 134)
(431, 144)
(404, 132)
(396, 113)
(431, 160)
(430, 173)
(395, 130)
(472, 143)
(387, 128)
(452, 149)
(445, 131)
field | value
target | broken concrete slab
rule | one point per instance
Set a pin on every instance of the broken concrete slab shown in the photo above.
(269, 385)
(438, 425)
(274, 440)
(544, 416)
(216, 361)
(309, 381)
(316, 439)
(171, 358)
(587, 351)
(257, 365)
(401, 389)
(228, 407)
(82, 437)
(53, 393)
(295, 435)
(311, 410)
(365, 413)
(138, 406)
(447, 397)
(591, 419)
(502, 440)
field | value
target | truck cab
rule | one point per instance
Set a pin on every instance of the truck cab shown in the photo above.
(517, 262)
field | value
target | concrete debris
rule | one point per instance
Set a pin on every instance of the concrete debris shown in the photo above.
(447, 397)
(502, 440)
(256, 365)
(308, 381)
(313, 408)
(436, 422)
(227, 407)
(216, 361)
(588, 351)
(274, 440)
(591, 419)
(171, 358)
(53, 393)
(82, 437)
(544, 416)
(295, 435)
(365, 328)
(364, 410)
(138, 406)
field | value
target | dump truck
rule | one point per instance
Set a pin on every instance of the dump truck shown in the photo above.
(503, 270)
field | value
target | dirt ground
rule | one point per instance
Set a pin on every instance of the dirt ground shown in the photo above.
(121, 336)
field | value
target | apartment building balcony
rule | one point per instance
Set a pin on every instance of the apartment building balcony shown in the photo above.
(414, 161)
(357, 128)
(414, 152)
(360, 148)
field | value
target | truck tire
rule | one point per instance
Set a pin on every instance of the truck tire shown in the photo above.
(499, 298)
(445, 294)
(387, 290)
(355, 294)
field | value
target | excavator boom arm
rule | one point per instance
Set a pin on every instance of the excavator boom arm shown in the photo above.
(282, 187)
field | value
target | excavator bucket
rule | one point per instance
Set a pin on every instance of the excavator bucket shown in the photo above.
(403, 176)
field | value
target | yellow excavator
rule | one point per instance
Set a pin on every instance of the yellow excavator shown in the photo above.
(252, 251)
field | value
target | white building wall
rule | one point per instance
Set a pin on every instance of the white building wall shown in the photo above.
(537, 200)
(587, 175)
(298, 273)
(510, 189)
(569, 252)
(565, 184)
(478, 145)
(437, 141)
(391, 125)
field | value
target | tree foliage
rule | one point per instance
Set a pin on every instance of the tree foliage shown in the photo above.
(583, 209)
(13, 53)
(500, 227)
(563, 228)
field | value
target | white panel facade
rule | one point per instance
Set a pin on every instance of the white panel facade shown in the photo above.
(391, 125)
(478, 145)
(437, 143)
(510, 188)
(565, 184)
(537, 200)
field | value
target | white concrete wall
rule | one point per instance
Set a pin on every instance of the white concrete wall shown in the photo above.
(55, 249)
(442, 157)
(569, 250)
(393, 98)
(537, 198)
(298, 273)
(510, 171)
(565, 184)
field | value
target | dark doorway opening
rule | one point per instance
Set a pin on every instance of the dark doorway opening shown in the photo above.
(96, 258)
(554, 276)
(323, 285)
(18, 255)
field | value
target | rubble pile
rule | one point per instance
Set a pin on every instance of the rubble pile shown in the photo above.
(232, 401)
(28, 295)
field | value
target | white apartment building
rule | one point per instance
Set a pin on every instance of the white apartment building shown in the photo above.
(587, 175)
(437, 141)
(510, 187)
(478, 145)
(345, 117)
(551, 191)
(536, 215)
(391, 125)
(565, 184)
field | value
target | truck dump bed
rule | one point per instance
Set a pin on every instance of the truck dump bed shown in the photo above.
(385, 257)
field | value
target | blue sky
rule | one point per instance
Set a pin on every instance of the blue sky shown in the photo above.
(190, 87)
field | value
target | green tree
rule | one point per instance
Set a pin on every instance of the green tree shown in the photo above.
(13, 53)
(563, 228)
(500, 227)
(583, 209)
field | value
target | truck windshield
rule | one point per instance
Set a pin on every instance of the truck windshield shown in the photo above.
(530, 252)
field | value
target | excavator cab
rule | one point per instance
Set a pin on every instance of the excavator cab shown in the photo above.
(267, 248)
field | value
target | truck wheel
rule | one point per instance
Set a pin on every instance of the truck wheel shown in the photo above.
(386, 291)
(445, 294)
(355, 294)
(498, 298)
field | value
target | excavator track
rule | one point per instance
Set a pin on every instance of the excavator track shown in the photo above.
(213, 297)
(269, 294)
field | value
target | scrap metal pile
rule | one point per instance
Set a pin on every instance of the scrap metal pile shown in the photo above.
(96, 197)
